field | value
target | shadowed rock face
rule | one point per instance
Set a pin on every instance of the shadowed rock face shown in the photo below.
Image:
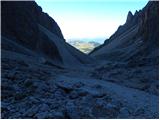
(22, 24)
(129, 16)
(137, 39)
(20, 21)
(20, 18)
(132, 52)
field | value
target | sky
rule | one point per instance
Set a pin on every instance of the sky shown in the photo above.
(89, 19)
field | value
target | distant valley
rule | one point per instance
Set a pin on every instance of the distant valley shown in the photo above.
(84, 46)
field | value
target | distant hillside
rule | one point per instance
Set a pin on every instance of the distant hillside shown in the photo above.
(83, 46)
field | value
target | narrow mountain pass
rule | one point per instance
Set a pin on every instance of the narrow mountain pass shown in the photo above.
(44, 77)
(44, 91)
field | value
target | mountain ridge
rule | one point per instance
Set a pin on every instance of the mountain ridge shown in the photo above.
(141, 23)
(23, 27)
(131, 54)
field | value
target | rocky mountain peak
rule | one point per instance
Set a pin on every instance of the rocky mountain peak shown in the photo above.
(138, 34)
(129, 16)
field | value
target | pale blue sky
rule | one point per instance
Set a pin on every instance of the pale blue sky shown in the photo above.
(80, 19)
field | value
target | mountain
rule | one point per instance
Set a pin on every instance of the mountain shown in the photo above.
(136, 41)
(83, 46)
(26, 29)
(44, 77)
(132, 52)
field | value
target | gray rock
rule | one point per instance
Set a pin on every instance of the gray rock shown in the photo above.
(79, 84)
(12, 74)
(59, 94)
(59, 115)
(93, 92)
(43, 107)
(55, 115)
(97, 86)
(28, 82)
(81, 92)
(33, 100)
(104, 110)
(42, 115)
(72, 110)
(48, 101)
(98, 94)
(86, 112)
(40, 85)
(100, 102)
(124, 113)
(73, 95)
(66, 86)
(20, 95)
(110, 106)
(4, 106)
(32, 111)
(16, 115)
(139, 111)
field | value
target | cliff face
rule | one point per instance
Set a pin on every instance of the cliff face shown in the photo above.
(136, 40)
(20, 21)
(25, 26)
(131, 54)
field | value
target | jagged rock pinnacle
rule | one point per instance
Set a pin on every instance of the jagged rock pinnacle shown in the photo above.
(129, 16)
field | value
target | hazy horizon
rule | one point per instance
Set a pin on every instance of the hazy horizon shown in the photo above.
(89, 19)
